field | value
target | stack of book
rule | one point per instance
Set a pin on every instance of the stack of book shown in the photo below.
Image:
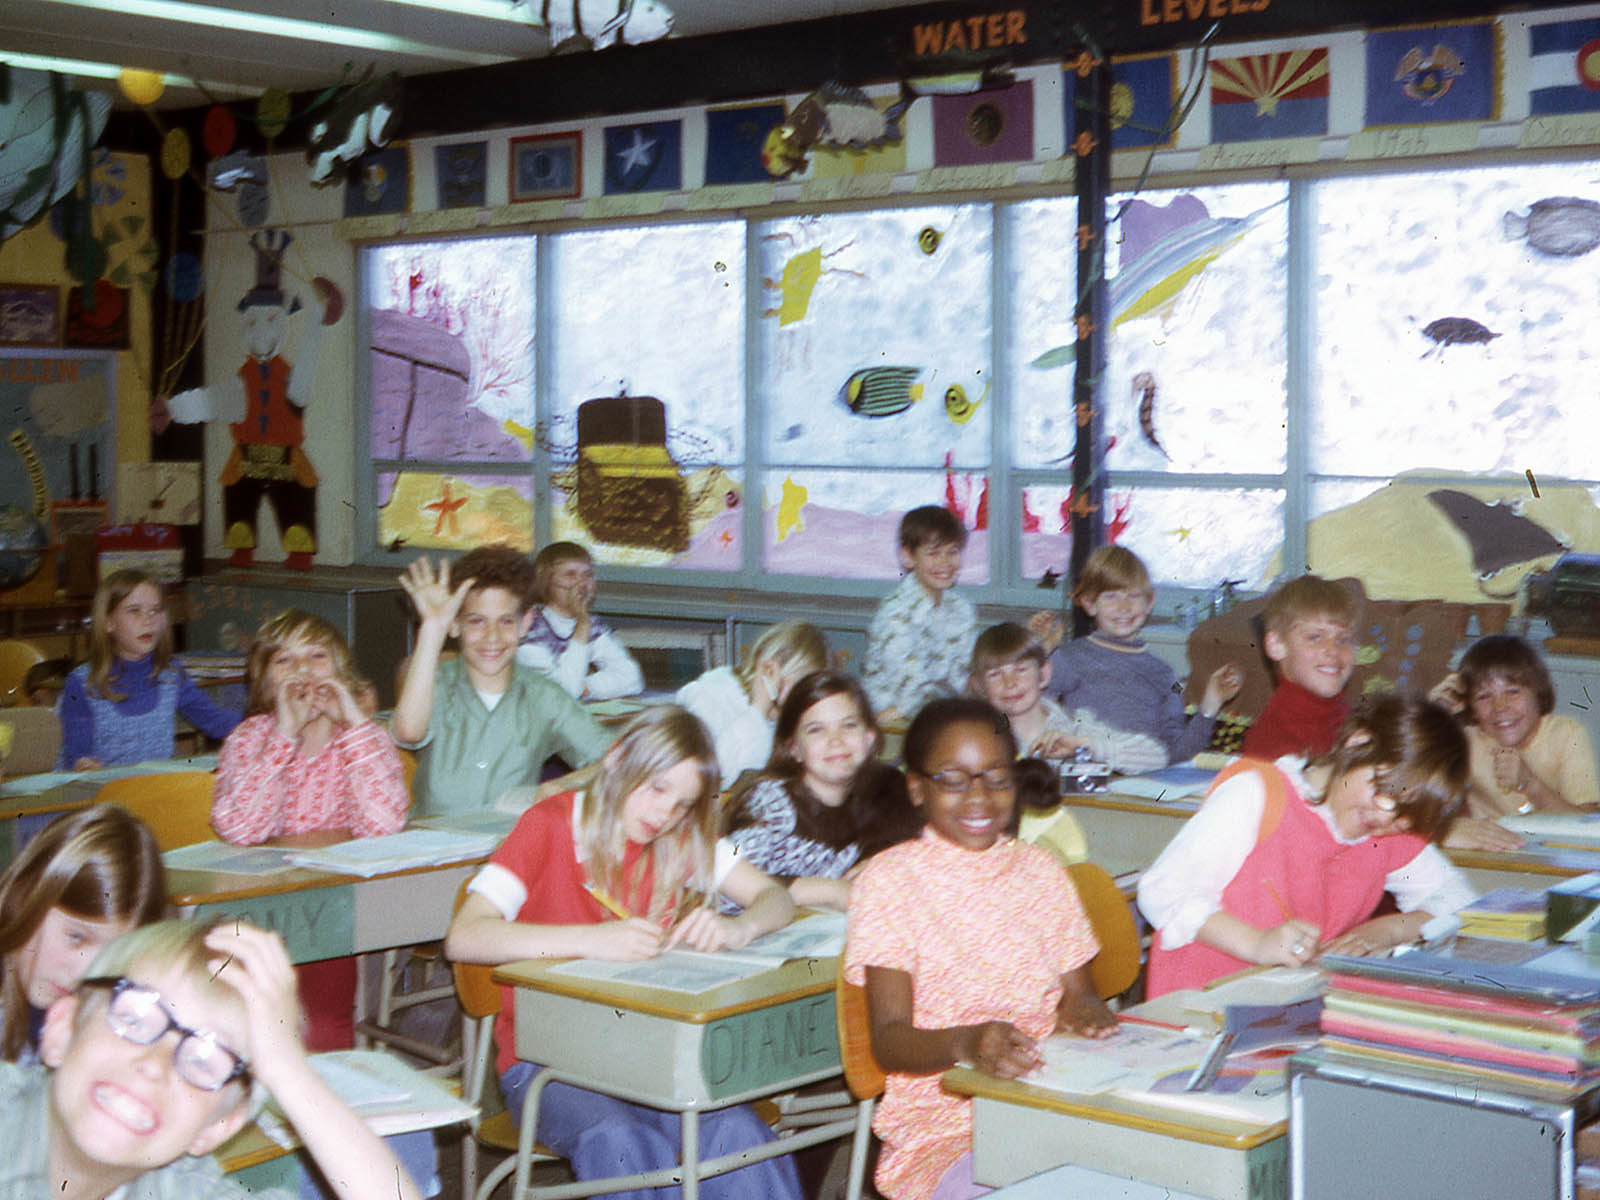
(1508, 912)
(1533, 1022)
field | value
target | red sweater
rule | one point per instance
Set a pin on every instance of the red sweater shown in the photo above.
(1295, 721)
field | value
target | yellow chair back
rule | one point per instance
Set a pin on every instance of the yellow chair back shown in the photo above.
(1116, 967)
(176, 805)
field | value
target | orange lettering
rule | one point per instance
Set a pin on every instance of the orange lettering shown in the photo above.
(1016, 27)
(1218, 8)
(1260, 5)
(927, 39)
(1236, 7)
(994, 29)
(975, 32)
(1147, 14)
(956, 37)
(1196, 8)
(1171, 10)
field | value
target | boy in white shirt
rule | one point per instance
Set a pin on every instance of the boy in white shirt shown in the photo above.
(567, 641)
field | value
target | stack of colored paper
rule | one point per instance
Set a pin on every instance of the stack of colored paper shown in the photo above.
(1508, 912)
(1534, 1021)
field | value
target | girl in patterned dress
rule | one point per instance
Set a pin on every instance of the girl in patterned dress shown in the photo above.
(308, 764)
(825, 803)
(971, 945)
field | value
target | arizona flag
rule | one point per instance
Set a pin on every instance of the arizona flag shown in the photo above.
(1564, 67)
(1269, 96)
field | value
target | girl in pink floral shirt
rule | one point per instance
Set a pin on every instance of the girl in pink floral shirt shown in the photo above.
(306, 758)
(972, 946)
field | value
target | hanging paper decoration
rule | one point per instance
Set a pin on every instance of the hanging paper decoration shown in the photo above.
(46, 131)
(272, 112)
(142, 87)
(365, 112)
(176, 154)
(219, 131)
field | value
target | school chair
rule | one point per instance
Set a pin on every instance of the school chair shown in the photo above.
(479, 997)
(176, 806)
(16, 656)
(1116, 968)
(862, 1073)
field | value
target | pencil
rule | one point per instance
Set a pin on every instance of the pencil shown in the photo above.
(606, 902)
(1277, 896)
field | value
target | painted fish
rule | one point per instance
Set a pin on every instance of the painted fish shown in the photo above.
(881, 391)
(834, 117)
(955, 73)
(1152, 282)
(1458, 331)
(958, 406)
(365, 112)
(582, 25)
(46, 131)
(1144, 387)
(1561, 226)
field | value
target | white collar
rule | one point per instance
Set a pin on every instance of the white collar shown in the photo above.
(562, 624)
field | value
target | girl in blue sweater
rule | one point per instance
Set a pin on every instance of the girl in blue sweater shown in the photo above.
(121, 705)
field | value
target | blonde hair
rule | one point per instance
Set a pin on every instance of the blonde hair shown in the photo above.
(290, 626)
(180, 946)
(1111, 569)
(794, 647)
(656, 740)
(100, 864)
(1308, 597)
(547, 560)
(113, 590)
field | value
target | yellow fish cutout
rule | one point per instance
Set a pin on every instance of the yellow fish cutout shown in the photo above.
(956, 405)
(800, 275)
(790, 508)
(521, 432)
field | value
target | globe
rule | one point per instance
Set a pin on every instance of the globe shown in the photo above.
(22, 543)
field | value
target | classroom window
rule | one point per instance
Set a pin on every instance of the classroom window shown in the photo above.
(760, 399)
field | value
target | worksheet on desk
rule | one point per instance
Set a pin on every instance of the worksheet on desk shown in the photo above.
(686, 971)
(1136, 1058)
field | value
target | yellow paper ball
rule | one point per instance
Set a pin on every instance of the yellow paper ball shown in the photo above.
(272, 112)
(142, 87)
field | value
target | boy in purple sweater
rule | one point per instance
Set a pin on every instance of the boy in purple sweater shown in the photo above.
(1114, 675)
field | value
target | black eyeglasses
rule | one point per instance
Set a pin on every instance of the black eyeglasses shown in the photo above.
(137, 1014)
(955, 782)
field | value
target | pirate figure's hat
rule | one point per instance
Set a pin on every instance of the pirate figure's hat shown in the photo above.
(269, 245)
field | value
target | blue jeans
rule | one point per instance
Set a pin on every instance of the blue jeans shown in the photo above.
(600, 1136)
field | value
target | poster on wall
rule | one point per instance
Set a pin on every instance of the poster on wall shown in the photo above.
(57, 413)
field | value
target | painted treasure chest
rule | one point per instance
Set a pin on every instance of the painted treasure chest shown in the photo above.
(630, 491)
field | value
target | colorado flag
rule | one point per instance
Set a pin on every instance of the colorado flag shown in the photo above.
(1564, 67)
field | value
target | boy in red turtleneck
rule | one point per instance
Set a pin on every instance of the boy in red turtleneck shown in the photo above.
(1310, 628)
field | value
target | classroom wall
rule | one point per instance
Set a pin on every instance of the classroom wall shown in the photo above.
(122, 218)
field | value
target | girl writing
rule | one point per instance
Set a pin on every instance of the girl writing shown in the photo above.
(740, 704)
(971, 945)
(120, 706)
(824, 803)
(1525, 757)
(87, 878)
(602, 874)
(1286, 860)
(306, 759)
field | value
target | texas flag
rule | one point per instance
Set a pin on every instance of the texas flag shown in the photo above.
(1261, 96)
(1564, 67)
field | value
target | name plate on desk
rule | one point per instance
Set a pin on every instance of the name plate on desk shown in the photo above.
(757, 1049)
(316, 923)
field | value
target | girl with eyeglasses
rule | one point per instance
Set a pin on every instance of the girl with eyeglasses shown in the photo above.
(971, 945)
(1287, 860)
(87, 878)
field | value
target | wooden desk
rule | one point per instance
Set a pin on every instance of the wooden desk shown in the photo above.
(1126, 833)
(684, 1054)
(1020, 1131)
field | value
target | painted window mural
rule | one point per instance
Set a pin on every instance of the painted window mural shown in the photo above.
(834, 369)
(877, 378)
(647, 382)
(452, 386)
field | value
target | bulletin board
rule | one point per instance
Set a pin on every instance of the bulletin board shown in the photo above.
(58, 417)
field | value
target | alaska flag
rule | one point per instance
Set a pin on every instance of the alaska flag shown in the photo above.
(986, 127)
(1264, 96)
(734, 138)
(644, 158)
(1564, 67)
(1433, 74)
